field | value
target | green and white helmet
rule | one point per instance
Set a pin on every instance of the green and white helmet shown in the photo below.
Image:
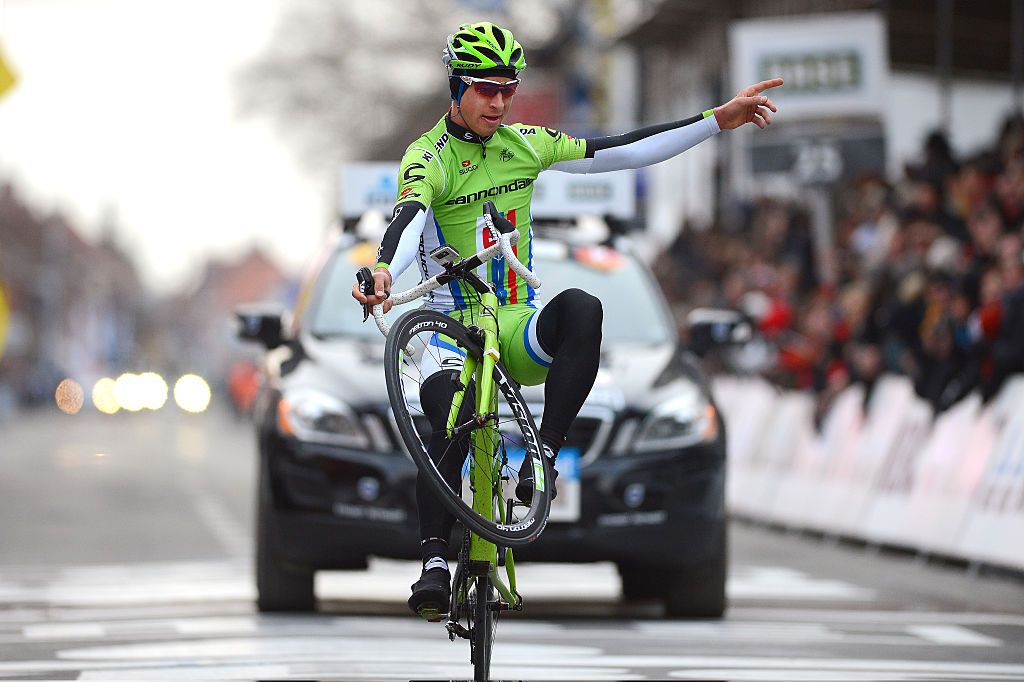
(482, 47)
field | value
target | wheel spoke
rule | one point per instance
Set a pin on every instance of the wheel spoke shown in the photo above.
(502, 437)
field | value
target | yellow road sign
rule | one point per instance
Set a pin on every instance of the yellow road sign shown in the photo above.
(7, 76)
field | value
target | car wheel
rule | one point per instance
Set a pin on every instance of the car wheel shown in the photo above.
(280, 585)
(639, 582)
(698, 591)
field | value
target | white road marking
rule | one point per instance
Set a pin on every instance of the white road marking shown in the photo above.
(194, 620)
(865, 616)
(129, 584)
(216, 626)
(954, 635)
(387, 580)
(359, 671)
(56, 631)
(132, 593)
(367, 657)
(257, 671)
(231, 533)
(314, 625)
(790, 633)
(764, 582)
(794, 668)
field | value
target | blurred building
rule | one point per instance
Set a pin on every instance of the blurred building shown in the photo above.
(199, 324)
(75, 308)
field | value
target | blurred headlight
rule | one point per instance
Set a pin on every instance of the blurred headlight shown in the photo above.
(318, 417)
(684, 420)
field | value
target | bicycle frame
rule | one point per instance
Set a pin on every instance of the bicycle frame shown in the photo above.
(484, 471)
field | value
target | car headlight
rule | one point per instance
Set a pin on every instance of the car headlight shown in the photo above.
(315, 416)
(686, 419)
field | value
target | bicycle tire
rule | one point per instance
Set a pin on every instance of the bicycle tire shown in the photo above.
(482, 628)
(517, 429)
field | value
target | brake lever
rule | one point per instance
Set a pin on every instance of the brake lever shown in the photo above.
(365, 279)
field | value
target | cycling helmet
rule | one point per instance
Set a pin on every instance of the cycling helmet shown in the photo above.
(482, 47)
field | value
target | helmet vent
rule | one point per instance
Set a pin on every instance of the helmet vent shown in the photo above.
(488, 53)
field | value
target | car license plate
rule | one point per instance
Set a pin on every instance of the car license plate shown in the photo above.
(566, 507)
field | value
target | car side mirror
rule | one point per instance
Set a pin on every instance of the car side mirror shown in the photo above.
(261, 323)
(712, 328)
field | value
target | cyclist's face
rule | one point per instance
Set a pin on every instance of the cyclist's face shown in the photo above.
(483, 114)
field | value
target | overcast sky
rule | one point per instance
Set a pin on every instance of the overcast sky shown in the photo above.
(129, 105)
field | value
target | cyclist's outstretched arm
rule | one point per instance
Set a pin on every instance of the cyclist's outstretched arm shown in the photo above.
(653, 144)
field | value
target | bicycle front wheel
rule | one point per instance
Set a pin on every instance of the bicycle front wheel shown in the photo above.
(421, 343)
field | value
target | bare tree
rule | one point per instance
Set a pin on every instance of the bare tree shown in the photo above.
(353, 80)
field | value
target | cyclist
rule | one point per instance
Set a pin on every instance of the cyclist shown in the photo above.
(446, 175)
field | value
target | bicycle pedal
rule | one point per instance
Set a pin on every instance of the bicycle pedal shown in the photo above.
(431, 614)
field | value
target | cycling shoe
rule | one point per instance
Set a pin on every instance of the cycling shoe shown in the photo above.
(524, 489)
(432, 594)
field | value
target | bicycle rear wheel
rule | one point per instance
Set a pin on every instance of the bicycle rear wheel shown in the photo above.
(420, 343)
(483, 622)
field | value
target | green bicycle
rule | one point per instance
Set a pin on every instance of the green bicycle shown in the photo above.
(487, 439)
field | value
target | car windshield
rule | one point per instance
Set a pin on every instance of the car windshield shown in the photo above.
(630, 297)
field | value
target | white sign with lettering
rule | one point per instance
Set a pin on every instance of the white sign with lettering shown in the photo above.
(834, 65)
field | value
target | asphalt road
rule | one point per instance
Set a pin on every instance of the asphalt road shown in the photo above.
(124, 554)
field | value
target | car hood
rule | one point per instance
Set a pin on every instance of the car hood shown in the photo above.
(352, 369)
(625, 377)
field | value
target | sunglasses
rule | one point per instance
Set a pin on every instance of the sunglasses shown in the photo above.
(488, 88)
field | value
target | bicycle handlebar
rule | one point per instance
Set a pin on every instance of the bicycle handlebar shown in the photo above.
(503, 245)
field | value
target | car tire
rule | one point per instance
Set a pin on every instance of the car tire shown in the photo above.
(280, 585)
(698, 591)
(640, 583)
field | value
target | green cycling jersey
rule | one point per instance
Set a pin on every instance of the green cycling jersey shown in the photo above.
(451, 171)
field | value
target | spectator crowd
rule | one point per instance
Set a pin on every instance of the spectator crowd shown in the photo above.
(924, 278)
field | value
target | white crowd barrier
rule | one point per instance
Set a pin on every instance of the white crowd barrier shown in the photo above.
(885, 471)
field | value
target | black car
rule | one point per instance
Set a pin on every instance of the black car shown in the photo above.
(641, 478)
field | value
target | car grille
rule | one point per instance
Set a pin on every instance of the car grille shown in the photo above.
(583, 433)
(588, 433)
